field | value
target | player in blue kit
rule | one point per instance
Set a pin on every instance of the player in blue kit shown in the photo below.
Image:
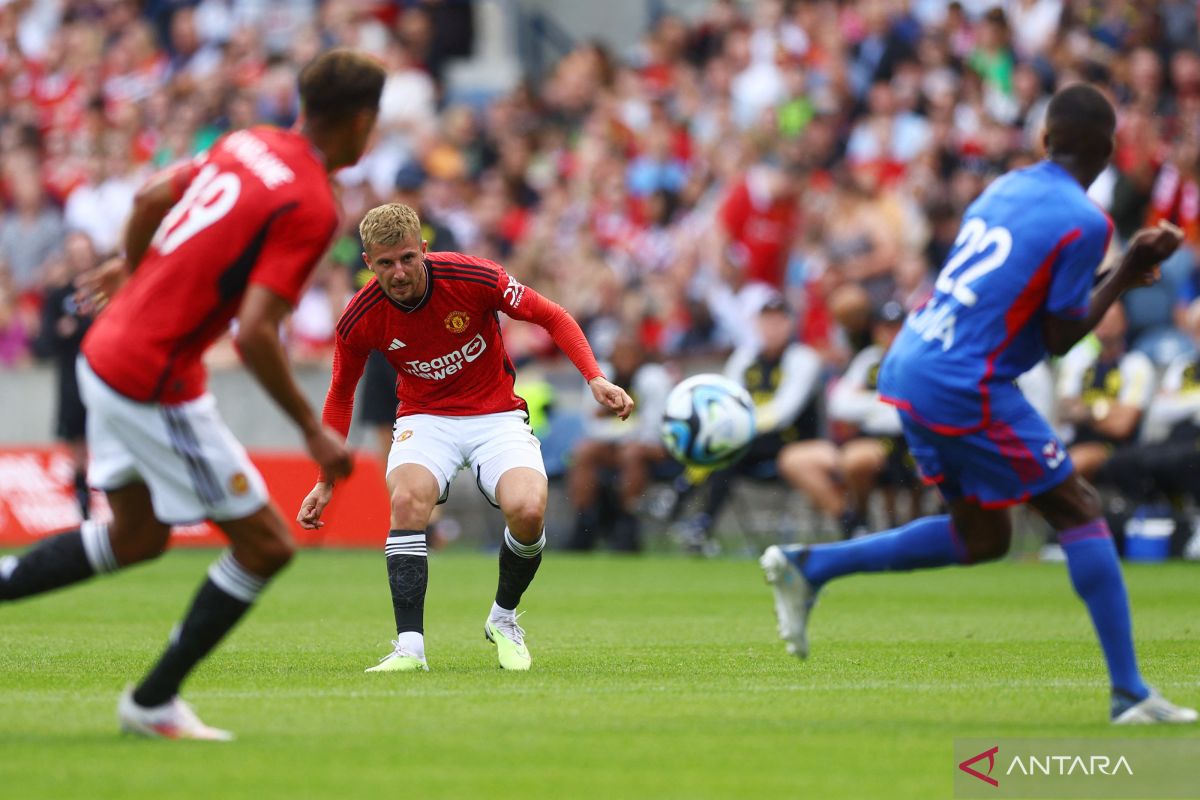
(1017, 285)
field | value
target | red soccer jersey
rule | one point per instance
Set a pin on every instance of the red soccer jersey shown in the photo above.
(258, 208)
(447, 348)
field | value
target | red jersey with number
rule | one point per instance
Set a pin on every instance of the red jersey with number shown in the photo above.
(257, 208)
(447, 347)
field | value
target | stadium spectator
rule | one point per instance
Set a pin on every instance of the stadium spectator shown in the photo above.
(14, 332)
(1166, 465)
(613, 462)
(839, 479)
(1104, 390)
(31, 231)
(64, 324)
(100, 204)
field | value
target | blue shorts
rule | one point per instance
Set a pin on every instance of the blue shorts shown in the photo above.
(1015, 457)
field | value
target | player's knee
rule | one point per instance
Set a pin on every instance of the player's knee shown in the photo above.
(406, 503)
(1087, 505)
(1073, 503)
(986, 535)
(526, 515)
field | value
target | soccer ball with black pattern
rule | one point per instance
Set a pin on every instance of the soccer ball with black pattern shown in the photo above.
(709, 421)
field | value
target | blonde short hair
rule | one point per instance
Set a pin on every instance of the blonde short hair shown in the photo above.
(388, 224)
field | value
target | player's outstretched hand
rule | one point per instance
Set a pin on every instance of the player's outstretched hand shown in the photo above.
(314, 506)
(612, 397)
(329, 450)
(94, 288)
(1149, 248)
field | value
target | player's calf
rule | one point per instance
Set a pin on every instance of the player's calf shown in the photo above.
(262, 544)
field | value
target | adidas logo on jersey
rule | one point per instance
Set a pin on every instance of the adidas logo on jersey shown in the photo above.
(396, 344)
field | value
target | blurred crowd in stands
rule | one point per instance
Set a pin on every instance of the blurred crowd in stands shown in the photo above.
(811, 151)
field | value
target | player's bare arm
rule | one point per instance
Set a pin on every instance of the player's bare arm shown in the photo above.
(258, 342)
(1138, 267)
(611, 396)
(348, 364)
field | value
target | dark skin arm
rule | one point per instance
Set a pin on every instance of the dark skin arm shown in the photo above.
(1138, 267)
(257, 340)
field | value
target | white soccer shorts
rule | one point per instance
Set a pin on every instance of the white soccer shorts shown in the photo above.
(490, 444)
(194, 467)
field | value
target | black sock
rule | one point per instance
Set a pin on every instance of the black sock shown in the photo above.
(82, 495)
(408, 577)
(223, 598)
(518, 564)
(56, 562)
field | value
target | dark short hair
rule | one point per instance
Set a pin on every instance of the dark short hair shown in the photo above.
(1080, 121)
(340, 82)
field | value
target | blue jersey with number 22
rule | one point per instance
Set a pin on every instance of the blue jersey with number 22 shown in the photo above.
(1028, 246)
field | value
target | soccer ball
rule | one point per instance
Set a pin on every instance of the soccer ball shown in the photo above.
(709, 421)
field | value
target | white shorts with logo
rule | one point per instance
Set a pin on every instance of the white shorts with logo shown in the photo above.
(490, 444)
(184, 453)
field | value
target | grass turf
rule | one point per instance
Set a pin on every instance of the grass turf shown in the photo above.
(654, 677)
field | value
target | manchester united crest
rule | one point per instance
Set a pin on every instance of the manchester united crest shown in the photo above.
(239, 484)
(403, 435)
(456, 321)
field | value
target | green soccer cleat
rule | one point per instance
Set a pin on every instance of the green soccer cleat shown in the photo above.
(400, 660)
(509, 638)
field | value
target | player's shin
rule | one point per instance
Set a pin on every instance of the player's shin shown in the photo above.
(408, 578)
(58, 561)
(1096, 575)
(223, 598)
(518, 564)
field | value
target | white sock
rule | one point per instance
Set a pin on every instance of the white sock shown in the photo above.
(413, 642)
(501, 613)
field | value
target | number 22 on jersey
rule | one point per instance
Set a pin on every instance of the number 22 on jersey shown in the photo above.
(209, 198)
(978, 251)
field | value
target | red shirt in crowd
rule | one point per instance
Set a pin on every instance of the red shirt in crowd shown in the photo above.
(447, 347)
(257, 208)
(761, 228)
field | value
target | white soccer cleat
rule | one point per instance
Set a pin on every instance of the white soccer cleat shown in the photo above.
(172, 720)
(794, 598)
(1152, 711)
(401, 659)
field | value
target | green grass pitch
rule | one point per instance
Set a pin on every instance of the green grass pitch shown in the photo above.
(656, 677)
